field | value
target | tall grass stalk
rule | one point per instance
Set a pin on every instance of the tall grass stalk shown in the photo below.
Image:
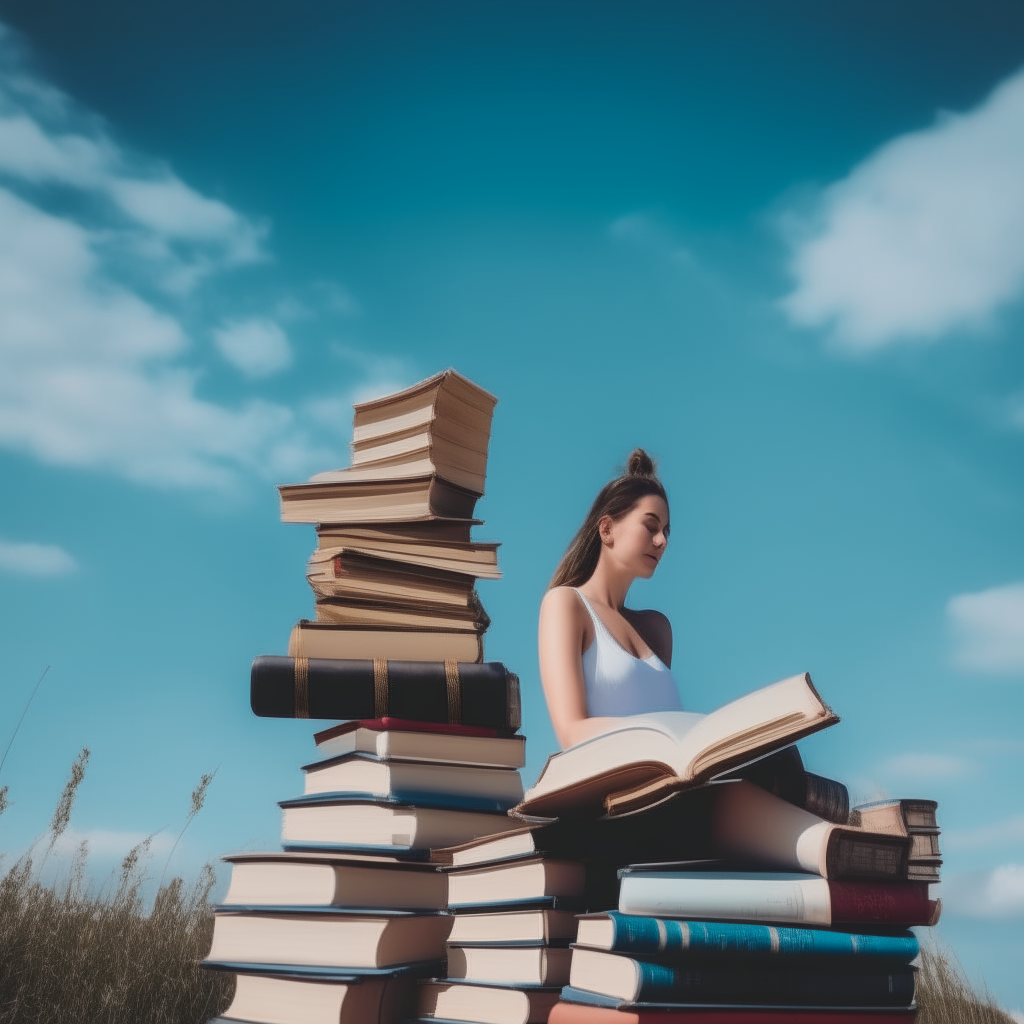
(945, 996)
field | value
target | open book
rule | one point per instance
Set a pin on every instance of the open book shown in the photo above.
(645, 757)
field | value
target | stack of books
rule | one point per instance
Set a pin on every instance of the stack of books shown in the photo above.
(785, 907)
(394, 571)
(338, 924)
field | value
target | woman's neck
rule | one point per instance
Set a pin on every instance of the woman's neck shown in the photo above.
(607, 586)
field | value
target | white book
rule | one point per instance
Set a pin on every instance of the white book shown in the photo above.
(515, 926)
(511, 965)
(486, 1005)
(328, 939)
(357, 824)
(364, 773)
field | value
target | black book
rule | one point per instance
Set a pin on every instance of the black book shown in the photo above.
(457, 693)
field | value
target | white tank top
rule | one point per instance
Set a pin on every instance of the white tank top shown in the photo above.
(618, 683)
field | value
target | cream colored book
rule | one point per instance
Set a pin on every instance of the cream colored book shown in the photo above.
(280, 878)
(522, 965)
(343, 573)
(450, 461)
(322, 640)
(390, 616)
(643, 758)
(486, 1004)
(447, 403)
(337, 498)
(269, 999)
(325, 939)
(468, 559)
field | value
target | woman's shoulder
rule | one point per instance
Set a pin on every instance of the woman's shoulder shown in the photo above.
(562, 599)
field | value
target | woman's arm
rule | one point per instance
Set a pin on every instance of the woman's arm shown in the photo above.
(564, 627)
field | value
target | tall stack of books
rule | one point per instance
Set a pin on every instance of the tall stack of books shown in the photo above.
(785, 907)
(394, 571)
(336, 926)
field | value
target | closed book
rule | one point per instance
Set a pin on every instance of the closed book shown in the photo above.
(447, 405)
(901, 817)
(328, 937)
(515, 882)
(509, 965)
(322, 822)
(274, 999)
(324, 879)
(775, 898)
(750, 823)
(431, 532)
(485, 1004)
(336, 573)
(580, 1007)
(670, 939)
(413, 780)
(514, 927)
(643, 981)
(420, 453)
(643, 758)
(485, 695)
(397, 744)
(343, 496)
(347, 643)
(478, 559)
(365, 614)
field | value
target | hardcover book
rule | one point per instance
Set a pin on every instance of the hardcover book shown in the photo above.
(485, 695)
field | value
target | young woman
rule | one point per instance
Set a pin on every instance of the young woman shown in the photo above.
(598, 659)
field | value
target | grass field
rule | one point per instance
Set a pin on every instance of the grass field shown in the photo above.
(74, 954)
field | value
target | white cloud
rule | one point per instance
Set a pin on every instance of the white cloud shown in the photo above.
(258, 347)
(988, 630)
(97, 370)
(924, 236)
(30, 559)
(928, 767)
(998, 892)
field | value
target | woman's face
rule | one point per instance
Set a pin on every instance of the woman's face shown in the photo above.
(637, 541)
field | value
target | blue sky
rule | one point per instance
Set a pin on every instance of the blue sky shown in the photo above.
(782, 247)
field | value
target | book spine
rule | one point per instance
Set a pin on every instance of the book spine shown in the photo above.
(580, 1007)
(826, 798)
(866, 856)
(658, 937)
(661, 984)
(480, 695)
(881, 903)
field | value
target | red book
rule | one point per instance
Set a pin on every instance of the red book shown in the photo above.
(577, 1013)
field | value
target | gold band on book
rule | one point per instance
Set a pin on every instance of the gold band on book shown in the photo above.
(451, 675)
(380, 687)
(302, 687)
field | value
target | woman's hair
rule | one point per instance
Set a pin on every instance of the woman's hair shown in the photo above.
(615, 499)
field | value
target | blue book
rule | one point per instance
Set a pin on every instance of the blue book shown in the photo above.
(644, 981)
(670, 939)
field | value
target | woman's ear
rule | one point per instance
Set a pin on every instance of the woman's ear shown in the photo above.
(604, 530)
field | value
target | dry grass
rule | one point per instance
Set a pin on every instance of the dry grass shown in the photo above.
(945, 996)
(71, 954)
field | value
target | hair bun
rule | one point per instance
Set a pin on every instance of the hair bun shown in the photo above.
(640, 463)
